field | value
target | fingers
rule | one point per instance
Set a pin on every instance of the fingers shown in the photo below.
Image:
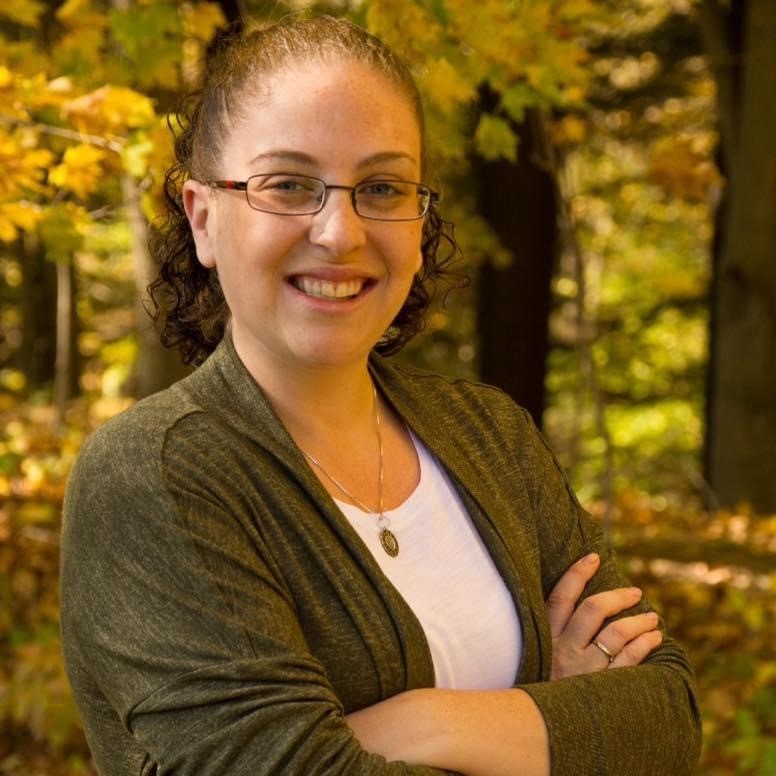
(585, 623)
(629, 641)
(635, 651)
(564, 596)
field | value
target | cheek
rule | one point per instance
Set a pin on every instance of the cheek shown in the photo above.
(406, 249)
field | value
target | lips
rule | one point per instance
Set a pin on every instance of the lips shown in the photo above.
(335, 290)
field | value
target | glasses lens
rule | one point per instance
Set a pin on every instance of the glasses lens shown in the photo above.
(392, 200)
(285, 194)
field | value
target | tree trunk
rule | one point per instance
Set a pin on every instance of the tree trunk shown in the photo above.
(513, 303)
(37, 355)
(156, 367)
(66, 370)
(742, 413)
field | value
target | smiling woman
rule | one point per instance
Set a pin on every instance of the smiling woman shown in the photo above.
(303, 559)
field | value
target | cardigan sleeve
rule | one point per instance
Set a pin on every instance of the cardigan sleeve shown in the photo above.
(151, 631)
(642, 720)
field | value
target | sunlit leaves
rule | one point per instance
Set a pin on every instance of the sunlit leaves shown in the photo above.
(65, 126)
(109, 110)
(527, 53)
(445, 85)
(18, 216)
(24, 12)
(200, 20)
(684, 166)
(24, 168)
(717, 594)
(80, 171)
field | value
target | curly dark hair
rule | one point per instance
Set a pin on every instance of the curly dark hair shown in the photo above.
(189, 308)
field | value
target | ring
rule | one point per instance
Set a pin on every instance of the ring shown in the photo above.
(609, 655)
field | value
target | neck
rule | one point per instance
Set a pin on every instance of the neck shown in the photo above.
(315, 401)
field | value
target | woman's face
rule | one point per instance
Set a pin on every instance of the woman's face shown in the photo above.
(312, 290)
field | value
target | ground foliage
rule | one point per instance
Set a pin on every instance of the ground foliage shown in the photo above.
(717, 593)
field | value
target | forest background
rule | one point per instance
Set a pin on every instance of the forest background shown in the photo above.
(611, 171)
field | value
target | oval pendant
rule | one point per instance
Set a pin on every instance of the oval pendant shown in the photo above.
(390, 542)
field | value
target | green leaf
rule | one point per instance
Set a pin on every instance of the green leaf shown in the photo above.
(135, 157)
(516, 100)
(494, 138)
(62, 231)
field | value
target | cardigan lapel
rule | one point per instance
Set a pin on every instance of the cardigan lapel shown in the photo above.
(508, 548)
(224, 383)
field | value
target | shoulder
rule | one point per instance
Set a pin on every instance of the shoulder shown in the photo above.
(472, 422)
(123, 463)
(137, 436)
(451, 399)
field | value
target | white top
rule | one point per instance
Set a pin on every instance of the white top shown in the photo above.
(447, 577)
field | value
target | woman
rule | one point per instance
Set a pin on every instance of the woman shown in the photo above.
(302, 559)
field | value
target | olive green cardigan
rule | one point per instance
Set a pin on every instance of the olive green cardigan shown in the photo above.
(220, 615)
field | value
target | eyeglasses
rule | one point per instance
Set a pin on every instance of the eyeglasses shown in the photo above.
(301, 195)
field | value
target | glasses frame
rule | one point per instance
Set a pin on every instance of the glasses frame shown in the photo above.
(232, 185)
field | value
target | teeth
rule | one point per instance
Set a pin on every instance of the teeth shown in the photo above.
(327, 289)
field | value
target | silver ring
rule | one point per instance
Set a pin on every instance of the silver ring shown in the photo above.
(609, 655)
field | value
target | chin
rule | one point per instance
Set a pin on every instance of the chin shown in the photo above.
(325, 354)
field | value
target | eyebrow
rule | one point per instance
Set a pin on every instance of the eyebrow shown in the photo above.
(289, 155)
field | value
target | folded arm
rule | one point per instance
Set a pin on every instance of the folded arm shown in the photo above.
(503, 733)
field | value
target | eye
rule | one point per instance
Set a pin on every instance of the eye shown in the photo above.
(288, 184)
(383, 189)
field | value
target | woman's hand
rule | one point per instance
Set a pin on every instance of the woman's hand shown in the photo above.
(576, 629)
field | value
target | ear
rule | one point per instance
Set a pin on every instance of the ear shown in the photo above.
(199, 204)
(419, 262)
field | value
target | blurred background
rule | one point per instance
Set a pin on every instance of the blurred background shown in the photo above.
(610, 167)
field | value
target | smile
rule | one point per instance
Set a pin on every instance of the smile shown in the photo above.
(328, 289)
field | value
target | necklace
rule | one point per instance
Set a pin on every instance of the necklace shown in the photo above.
(388, 540)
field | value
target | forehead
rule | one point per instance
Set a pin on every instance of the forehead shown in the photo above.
(332, 111)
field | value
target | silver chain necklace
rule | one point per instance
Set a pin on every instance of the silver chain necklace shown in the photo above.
(388, 540)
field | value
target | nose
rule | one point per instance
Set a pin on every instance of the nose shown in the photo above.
(337, 226)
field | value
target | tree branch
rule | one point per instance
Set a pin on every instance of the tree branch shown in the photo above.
(69, 134)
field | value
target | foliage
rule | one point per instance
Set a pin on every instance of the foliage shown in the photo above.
(640, 187)
(38, 718)
(717, 595)
(528, 54)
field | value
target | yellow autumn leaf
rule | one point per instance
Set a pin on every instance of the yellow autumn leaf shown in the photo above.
(682, 166)
(445, 86)
(80, 170)
(18, 216)
(574, 95)
(7, 228)
(569, 130)
(23, 168)
(406, 26)
(201, 20)
(110, 109)
(24, 12)
(71, 10)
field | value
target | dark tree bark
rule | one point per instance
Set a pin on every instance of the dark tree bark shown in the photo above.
(513, 303)
(37, 356)
(741, 435)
